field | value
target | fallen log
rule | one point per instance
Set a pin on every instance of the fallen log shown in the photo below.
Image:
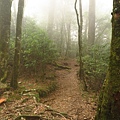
(61, 66)
(27, 91)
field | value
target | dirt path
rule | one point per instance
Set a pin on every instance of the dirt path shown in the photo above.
(69, 98)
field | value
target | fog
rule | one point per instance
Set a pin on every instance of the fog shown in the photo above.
(63, 11)
(39, 8)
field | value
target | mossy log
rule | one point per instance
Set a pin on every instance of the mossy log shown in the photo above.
(61, 66)
(27, 91)
(44, 92)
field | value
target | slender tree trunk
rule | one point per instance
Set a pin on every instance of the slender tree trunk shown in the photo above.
(51, 18)
(109, 100)
(13, 19)
(80, 23)
(86, 30)
(14, 82)
(5, 21)
(68, 43)
(91, 27)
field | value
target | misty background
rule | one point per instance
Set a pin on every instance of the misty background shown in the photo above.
(50, 31)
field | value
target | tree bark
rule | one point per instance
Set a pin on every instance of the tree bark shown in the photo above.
(5, 22)
(14, 83)
(109, 100)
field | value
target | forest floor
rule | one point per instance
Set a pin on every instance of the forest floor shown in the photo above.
(69, 97)
(67, 102)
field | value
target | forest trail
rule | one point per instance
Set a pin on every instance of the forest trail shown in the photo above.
(69, 97)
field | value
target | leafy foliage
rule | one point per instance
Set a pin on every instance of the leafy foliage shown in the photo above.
(37, 48)
(96, 62)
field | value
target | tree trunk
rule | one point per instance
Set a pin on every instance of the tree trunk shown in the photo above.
(51, 18)
(91, 27)
(13, 19)
(14, 82)
(86, 31)
(68, 42)
(109, 100)
(80, 23)
(5, 21)
(61, 44)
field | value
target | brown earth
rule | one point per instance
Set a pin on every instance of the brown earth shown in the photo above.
(69, 97)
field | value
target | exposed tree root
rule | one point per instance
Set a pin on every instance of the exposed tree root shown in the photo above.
(31, 117)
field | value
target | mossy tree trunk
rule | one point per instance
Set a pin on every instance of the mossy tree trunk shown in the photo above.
(14, 82)
(5, 21)
(109, 100)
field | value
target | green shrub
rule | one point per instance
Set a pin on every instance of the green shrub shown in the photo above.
(37, 48)
(96, 63)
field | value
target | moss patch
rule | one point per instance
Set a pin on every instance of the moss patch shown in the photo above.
(43, 92)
